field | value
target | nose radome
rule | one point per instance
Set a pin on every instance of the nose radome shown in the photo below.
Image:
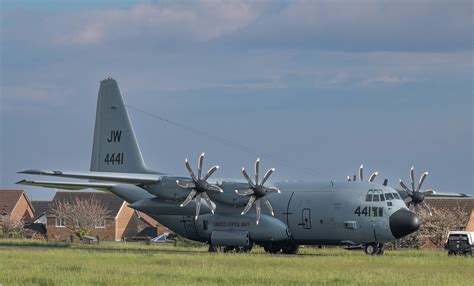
(403, 222)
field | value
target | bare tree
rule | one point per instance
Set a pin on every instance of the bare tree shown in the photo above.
(435, 228)
(11, 227)
(80, 215)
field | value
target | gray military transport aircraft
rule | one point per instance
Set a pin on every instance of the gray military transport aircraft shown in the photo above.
(220, 212)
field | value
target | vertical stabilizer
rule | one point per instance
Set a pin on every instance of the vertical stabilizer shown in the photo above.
(115, 147)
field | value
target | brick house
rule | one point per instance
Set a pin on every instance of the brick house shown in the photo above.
(15, 203)
(120, 224)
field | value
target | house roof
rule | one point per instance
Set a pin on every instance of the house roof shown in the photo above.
(9, 199)
(40, 208)
(112, 203)
(147, 219)
(147, 232)
(467, 204)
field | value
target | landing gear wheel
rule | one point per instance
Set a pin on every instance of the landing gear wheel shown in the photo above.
(381, 249)
(272, 248)
(230, 248)
(290, 248)
(212, 248)
(247, 248)
(371, 248)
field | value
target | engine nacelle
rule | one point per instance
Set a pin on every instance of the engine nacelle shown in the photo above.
(167, 189)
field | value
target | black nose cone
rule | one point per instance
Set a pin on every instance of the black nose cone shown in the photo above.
(403, 222)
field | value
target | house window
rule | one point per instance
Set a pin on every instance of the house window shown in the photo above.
(60, 222)
(100, 223)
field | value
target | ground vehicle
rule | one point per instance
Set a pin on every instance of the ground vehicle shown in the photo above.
(460, 242)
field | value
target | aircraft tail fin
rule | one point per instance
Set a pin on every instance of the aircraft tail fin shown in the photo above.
(115, 147)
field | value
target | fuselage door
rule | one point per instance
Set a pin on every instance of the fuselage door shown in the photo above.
(306, 218)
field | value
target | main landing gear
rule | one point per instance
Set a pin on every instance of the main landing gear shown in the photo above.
(214, 248)
(374, 248)
(285, 248)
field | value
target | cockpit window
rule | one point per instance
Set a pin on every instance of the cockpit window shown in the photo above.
(368, 198)
(388, 197)
(397, 196)
(376, 198)
(382, 198)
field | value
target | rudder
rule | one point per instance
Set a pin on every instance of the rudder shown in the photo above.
(115, 147)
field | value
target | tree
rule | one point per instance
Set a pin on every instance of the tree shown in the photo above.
(11, 227)
(435, 227)
(80, 215)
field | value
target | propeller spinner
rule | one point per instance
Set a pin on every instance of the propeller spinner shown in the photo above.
(257, 191)
(416, 197)
(199, 186)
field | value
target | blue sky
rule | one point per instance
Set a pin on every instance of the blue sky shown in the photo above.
(324, 85)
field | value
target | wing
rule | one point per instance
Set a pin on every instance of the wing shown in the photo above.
(69, 185)
(130, 178)
(404, 195)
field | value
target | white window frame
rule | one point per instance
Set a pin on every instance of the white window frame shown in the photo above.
(100, 223)
(60, 222)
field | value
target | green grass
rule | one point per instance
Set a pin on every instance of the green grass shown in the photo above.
(66, 266)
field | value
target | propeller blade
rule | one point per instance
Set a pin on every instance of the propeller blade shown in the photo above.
(348, 178)
(385, 182)
(361, 173)
(417, 209)
(425, 205)
(201, 158)
(267, 175)
(244, 192)
(258, 210)
(214, 188)
(422, 179)
(429, 192)
(249, 205)
(247, 177)
(273, 190)
(211, 205)
(198, 205)
(354, 178)
(269, 206)
(412, 177)
(372, 177)
(186, 185)
(210, 172)
(189, 198)
(257, 164)
(405, 187)
(191, 173)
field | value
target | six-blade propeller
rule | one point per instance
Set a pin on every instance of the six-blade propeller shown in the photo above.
(415, 196)
(361, 176)
(199, 186)
(257, 191)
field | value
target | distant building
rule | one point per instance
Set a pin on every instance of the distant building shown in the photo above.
(16, 205)
(41, 208)
(122, 223)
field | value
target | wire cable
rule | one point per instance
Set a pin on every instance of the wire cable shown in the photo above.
(224, 141)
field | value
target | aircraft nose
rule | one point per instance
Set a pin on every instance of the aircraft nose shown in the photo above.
(403, 222)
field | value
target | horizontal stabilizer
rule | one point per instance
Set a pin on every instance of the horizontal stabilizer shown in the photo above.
(130, 178)
(68, 185)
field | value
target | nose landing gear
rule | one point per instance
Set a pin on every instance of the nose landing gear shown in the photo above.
(374, 248)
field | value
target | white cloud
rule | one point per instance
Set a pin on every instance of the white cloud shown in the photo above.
(384, 80)
(195, 21)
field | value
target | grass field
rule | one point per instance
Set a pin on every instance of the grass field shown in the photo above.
(69, 266)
